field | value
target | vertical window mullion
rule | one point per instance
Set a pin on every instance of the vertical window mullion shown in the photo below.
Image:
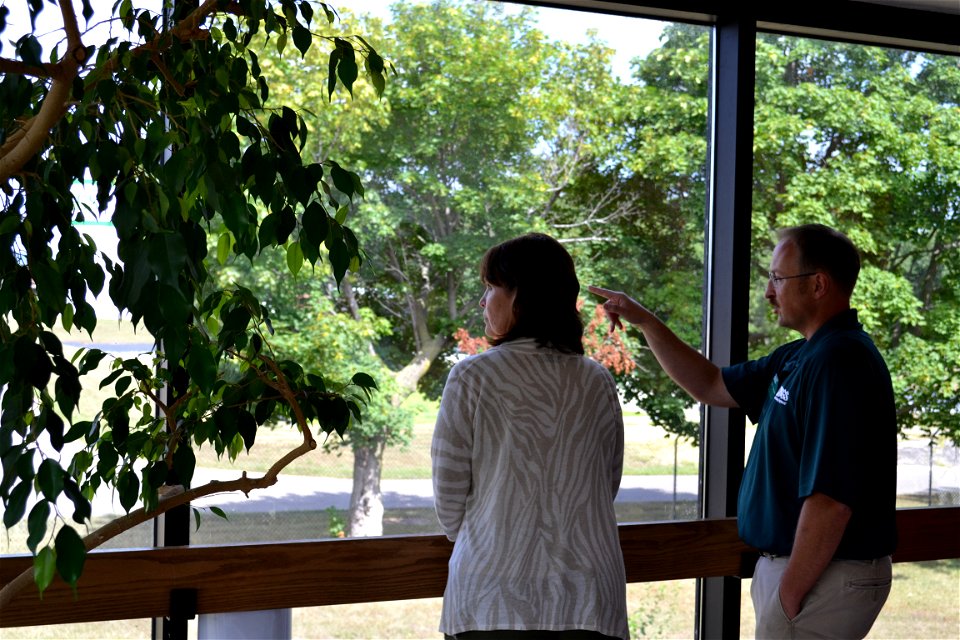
(726, 292)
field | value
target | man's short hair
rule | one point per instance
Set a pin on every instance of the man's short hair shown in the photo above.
(825, 249)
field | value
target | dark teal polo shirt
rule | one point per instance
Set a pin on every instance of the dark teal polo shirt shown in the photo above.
(826, 423)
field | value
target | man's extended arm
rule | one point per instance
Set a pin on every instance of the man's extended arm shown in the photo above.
(819, 531)
(685, 365)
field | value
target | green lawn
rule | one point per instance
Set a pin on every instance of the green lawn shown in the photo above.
(646, 452)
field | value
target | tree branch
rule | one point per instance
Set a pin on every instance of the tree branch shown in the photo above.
(16, 67)
(26, 142)
(141, 515)
(12, 158)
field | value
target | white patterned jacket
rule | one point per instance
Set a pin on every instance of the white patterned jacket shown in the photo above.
(527, 459)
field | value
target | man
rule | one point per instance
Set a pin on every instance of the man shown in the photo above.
(818, 496)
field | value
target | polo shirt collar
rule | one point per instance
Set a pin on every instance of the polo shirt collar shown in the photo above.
(846, 320)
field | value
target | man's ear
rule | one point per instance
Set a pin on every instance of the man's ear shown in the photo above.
(823, 284)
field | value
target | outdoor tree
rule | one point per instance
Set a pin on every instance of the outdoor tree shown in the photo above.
(314, 317)
(468, 150)
(866, 139)
(437, 165)
(171, 121)
(861, 138)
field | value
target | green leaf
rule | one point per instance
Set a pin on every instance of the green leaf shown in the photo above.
(32, 362)
(111, 377)
(51, 343)
(339, 257)
(301, 38)
(335, 56)
(306, 11)
(248, 129)
(342, 180)
(184, 464)
(218, 511)
(37, 524)
(128, 488)
(286, 225)
(235, 320)
(364, 380)
(202, 367)
(379, 83)
(167, 256)
(53, 425)
(264, 410)
(91, 359)
(294, 258)
(374, 62)
(247, 427)
(347, 70)
(81, 506)
(50, 479)
(224, 244)
(71, 555)
(196, 518)
(66, 320)
(157, 475)
(122, 385)
(44, 568)
(315, 224)
(8, 224)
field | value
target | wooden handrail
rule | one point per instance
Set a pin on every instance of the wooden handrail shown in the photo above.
(138, 583)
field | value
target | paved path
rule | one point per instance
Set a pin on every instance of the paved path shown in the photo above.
(304, 493)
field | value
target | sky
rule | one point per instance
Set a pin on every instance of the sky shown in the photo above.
(630, 37)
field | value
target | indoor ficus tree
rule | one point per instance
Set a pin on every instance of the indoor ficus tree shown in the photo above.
(170, 120)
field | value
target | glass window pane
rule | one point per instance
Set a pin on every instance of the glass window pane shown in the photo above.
(863, 139)
(601, 144)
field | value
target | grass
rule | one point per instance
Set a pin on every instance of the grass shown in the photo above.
(646, 452)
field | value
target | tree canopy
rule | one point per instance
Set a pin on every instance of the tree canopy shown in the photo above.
(171, 120)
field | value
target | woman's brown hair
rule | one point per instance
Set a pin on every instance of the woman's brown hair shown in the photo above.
(542, 273)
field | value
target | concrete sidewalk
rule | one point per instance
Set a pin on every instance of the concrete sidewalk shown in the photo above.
(306, 493)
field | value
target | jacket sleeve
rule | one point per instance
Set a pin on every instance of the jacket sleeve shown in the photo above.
(451, 453)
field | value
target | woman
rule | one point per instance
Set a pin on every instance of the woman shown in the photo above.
(527, 458)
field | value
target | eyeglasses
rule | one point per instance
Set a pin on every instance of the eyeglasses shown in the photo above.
(776, 280)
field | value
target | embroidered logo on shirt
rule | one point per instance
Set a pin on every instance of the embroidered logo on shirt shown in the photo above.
(782, 396)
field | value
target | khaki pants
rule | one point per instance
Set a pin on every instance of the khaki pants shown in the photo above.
(843, 603)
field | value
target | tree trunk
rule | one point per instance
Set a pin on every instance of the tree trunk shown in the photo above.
(366, 501)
